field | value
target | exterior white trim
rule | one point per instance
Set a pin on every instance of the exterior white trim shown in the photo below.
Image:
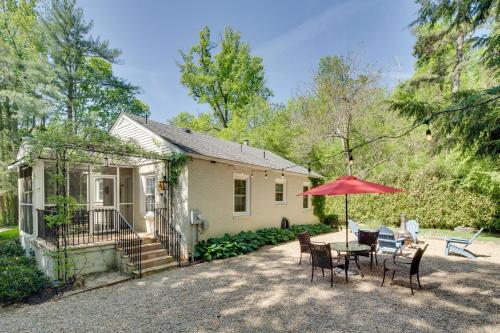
(248, 192)
(284, 182)
(309, 198)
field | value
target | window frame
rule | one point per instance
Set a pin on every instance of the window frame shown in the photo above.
(147, 194)
(248, 192)
(309, 197)
(284, 183)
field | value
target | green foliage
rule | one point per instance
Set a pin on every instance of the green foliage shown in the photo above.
(318, 201)
(227, 80)
(331, 220)
(248, 241)
(10, 234)
(19, 277)
(9, 247)
(177, 162)
(434, 195)
(20, 281)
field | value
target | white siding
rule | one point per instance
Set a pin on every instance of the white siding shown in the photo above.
(128, 129)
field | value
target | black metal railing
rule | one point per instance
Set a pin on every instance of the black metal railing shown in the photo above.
(128, 241)
(95, 226)
(167, 234)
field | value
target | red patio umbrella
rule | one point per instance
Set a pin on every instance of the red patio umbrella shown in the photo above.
(349, 185)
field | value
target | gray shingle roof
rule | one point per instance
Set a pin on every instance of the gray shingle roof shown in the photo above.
(206, 145)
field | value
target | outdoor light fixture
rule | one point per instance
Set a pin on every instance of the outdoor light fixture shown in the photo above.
(428, 134)
(106, 161)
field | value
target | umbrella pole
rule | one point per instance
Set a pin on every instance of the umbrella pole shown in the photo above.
(346, 224)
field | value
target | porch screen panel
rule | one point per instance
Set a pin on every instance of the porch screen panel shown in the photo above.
(26, 200)
(78, 185)
(126, 194)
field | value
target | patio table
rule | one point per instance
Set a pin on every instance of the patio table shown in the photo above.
(350, 249)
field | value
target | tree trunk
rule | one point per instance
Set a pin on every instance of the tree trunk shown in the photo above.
(455, 84)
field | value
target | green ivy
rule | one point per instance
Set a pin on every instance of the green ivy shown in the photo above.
(249, 241)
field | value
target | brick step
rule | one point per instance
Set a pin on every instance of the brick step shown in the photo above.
(158, 261)
(156, 269)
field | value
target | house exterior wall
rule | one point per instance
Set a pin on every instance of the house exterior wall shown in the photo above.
(211, 193)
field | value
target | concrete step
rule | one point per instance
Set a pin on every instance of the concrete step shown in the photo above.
(158, 261)
(156, 269)
(152, 254)
(150, 247)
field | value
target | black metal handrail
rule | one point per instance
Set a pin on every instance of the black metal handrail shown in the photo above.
(128, 241)
(166, 233)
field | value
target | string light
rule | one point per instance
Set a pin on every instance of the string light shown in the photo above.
(351, 160)
(251, 175)
(282, 173)
(106, 161)
(309, 168)
(265, 174)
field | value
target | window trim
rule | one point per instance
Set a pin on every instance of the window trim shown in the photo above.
(309, 197)
(284, 182)
(146, 194)
(247, 194)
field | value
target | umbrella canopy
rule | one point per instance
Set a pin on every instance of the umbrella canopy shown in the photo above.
(349, 185)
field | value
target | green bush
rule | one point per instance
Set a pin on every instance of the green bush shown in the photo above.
(10, 234)
(432, 196)
(10, 248)
(19, 276)
(332, 220)
(248, 241)
(19, 282)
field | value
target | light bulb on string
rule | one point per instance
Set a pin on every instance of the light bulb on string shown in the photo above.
(309, 168)
(428, 134)
(265, 174)
(251, 174)
(282, 174)
(351, 160)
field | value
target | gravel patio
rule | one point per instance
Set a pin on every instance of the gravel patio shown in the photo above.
(268, 292)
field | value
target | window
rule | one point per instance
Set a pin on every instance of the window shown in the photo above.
(305, 198)
(241, 195)
(280, 191)
(149, 193)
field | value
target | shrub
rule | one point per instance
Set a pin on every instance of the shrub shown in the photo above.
(15, 261)
(332, 220)
(10, 248)
(248, 241)
(10, 234)
(19, 282)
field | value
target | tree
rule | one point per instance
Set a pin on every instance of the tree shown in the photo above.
(227, 80)
(340, 96)
(83, 67)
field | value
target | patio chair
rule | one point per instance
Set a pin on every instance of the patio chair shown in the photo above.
(369, 238)
(413, 228)
(387, 241)
(410, 268)
(354, 227)
(461, 250)
(322, 258)
(304, 240)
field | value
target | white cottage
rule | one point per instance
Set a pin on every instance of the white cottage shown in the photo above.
(129, 221)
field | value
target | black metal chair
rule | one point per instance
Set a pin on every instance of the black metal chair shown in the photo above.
(304, 240)
(369, 238)
(410, 268)
(322, 258)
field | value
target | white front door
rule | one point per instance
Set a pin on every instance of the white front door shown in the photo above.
(103, 201)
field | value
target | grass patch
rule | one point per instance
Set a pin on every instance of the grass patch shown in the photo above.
(10, 234)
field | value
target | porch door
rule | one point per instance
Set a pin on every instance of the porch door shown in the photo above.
(104, 202)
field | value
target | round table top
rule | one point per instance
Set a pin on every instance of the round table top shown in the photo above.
(351, 247)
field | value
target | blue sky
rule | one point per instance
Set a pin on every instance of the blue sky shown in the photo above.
(290, 36)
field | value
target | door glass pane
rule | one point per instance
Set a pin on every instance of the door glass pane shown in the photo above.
(104, 192)
(103, 170)
(126, 194)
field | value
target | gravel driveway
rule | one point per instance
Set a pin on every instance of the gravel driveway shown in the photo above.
(268, 292)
